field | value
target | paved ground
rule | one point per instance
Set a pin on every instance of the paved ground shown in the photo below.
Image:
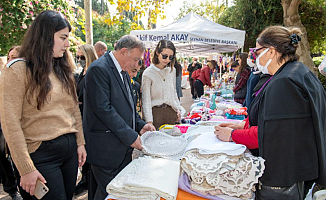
(186, 102)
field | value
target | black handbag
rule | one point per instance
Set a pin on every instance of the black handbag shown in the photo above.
(293, 192)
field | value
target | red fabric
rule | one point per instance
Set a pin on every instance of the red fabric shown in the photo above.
(244, 76)
(205, 76)
(195, 116)
(247, 136)
(237, 111)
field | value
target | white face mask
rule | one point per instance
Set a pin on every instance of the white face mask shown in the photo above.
(250, 63)
(261, 68)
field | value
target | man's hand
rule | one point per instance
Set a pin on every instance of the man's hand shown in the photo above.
(137, 144)
(28, 181)
(81, 155)
(148, 127)
(179, 117)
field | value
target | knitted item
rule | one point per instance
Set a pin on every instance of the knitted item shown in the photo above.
(158, 87)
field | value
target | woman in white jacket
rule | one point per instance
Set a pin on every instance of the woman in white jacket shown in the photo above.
(160, 102)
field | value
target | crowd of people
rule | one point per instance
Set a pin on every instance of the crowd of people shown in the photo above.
(59, 113)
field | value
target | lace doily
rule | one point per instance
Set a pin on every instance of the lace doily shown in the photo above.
(160, 144)
(208, 163)
(235, 176)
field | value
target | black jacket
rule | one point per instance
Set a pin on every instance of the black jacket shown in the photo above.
(108, 115)
(292, 127)
(191, 69)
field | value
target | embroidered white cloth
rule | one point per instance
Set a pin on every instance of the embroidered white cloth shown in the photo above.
(147, 178)
(159, 144)
(208, 143)
(218, 174)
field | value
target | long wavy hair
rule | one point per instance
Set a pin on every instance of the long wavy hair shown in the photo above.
(37, 50)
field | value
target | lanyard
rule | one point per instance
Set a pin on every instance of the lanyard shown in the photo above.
(263, 86)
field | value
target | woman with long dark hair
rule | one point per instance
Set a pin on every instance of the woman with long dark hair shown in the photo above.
(243, 70)
(39, 109)
(159, 97)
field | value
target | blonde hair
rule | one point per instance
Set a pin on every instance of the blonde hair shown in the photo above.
(285, 41)
(210, 65)
(89, 53)
(70, 60)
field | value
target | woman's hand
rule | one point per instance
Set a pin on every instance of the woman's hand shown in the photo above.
(223, 133)
(81, 155)
(28, 181)
(233, 125)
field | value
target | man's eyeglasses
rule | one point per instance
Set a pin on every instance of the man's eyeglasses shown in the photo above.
(80, 57)
(164, 56)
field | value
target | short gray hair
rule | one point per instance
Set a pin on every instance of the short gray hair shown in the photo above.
(130, 42)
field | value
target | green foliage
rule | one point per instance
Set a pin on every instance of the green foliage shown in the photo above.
(17, 15)
(102, 29)
(322, 78)
(207, 9)
(317, 60)
(252, 16)
(255, 15)
(313, 17)
(96, 5)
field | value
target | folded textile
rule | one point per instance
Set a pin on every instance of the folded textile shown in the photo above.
(238, 117)
(237, 111)
(208, 143)
(184, 184)
(147, 178)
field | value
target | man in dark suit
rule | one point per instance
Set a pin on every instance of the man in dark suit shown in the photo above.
(111, 124)
(191, 68)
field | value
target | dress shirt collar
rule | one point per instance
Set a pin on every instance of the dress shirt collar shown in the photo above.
(117, 65)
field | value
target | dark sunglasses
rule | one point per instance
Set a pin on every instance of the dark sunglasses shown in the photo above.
(80, 57)
(166, 56)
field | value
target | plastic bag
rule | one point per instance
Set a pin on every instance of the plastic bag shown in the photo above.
(322, 67)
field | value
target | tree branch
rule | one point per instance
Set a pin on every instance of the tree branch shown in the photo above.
(294, 7)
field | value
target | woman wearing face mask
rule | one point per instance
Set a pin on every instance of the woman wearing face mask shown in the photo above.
(291, 118)
(240, 88)
(40, 117)
(85, 55)
(160, 102)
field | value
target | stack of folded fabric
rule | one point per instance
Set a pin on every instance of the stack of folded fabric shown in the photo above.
(219, 170)
(233, 113)
(146, 178)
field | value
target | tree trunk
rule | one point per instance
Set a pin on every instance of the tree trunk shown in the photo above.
(291, 18)
(101, 7)
(88, 21)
